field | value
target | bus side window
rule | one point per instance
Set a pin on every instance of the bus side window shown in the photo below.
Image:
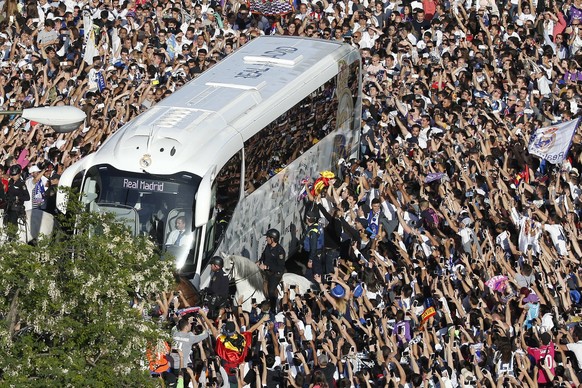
(76, 186)
(209, 240)
(77, 181)
(290, 135)
(227, 190)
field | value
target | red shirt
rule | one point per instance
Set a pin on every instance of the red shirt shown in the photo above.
(429, 7)
(560, 25)
(547, 353)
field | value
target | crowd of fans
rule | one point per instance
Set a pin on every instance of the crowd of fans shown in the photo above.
(458, 256)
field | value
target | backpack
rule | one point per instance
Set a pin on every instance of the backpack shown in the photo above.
(315, 228)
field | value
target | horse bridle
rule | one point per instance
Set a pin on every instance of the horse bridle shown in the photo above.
(235, 282)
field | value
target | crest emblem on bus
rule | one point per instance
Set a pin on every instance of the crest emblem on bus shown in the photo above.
(145, 161)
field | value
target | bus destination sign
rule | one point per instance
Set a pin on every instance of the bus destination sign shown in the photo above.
(142, 184)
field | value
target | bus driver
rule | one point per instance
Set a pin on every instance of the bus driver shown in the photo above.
(178, 236)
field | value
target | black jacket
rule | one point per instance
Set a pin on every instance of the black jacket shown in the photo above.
(16, 195)
(332, 231)
(274, 258)
(219, 284)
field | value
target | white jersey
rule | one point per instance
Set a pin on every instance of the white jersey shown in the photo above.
(530, 232)
(558, 237)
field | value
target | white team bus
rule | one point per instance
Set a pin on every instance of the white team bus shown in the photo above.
(229, 150)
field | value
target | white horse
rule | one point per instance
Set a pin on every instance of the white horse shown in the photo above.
(249, 281)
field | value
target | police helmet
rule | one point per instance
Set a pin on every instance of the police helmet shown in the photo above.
(312, 215)
(274, 234)
(15, 169)
(217, 260)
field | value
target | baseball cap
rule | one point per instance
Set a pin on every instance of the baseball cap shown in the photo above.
(531, 298)
(33, 169)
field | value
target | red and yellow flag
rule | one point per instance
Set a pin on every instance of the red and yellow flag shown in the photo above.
(427, 314)
(233, 355)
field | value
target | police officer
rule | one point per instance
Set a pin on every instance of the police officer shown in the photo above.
(218, 281)
(313, 242)
(51, 194)
(217, 291)
(333, 238)
(272, 262)
(16, 195)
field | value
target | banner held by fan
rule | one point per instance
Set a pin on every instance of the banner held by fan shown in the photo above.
(270, 7)
(427, 314)
(552, 143)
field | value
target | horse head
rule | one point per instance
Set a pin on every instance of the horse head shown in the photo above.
(239, 268)
(229, 264)
(247, 278)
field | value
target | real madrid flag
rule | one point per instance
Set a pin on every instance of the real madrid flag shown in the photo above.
(552, 143)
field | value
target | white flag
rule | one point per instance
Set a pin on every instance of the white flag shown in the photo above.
(552, 143)
(87, 24)
(90, 49)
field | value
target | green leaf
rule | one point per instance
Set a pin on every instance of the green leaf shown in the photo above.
(65, 315)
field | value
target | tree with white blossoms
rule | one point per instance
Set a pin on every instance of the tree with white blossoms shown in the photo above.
(65, 314)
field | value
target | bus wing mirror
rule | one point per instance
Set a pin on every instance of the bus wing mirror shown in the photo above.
(204, 199)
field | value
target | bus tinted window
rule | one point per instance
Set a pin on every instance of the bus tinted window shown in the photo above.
(354, 82)
(154, 199)
(227, 194)
(289, 136)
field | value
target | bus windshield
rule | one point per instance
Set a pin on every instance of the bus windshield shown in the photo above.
(158, 206)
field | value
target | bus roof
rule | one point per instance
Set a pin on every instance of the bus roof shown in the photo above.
(208, 119)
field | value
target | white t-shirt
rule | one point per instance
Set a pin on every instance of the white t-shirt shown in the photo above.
(526, 16)
(423, 137)
(502, 240)
(389, 210)
(574, 191)
(544, 85)
(530, 232)
(577, 349)
(558, 238)
(28, 205)
(466, 235)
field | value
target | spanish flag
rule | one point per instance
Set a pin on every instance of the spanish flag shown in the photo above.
(322, 182)
(233, 349)
(427, 314)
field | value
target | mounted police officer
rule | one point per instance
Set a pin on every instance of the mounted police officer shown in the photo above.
(217, 291)
(313, 242)
(16, 195)
(272, 262)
